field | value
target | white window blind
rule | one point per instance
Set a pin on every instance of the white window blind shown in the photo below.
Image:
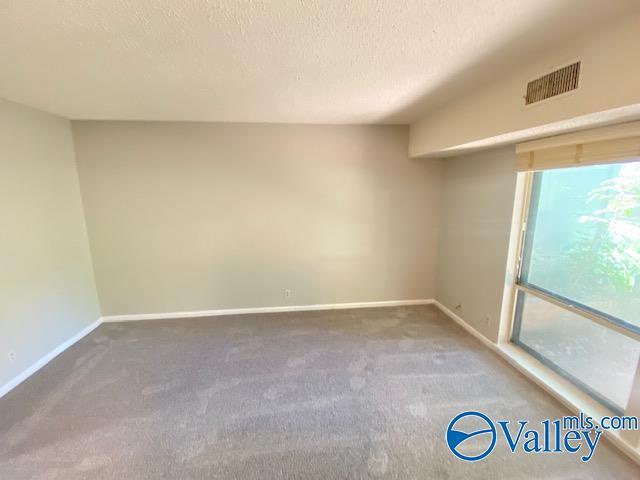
(612, 144)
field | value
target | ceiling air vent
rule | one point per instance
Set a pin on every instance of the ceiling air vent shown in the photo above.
(552, 84)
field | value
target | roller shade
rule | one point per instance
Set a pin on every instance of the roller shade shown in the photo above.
(612, 144)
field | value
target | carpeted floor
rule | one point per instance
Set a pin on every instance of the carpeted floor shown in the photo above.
(316, 395)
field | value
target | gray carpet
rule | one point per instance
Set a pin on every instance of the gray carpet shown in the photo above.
(314, 395)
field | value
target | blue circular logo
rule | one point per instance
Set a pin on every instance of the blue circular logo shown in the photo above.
(455, 438)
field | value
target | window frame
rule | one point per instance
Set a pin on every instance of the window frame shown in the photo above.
(521, 288)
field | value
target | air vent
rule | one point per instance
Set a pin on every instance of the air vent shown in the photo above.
(555, 83)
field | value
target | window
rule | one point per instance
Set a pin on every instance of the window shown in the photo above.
(578, 286)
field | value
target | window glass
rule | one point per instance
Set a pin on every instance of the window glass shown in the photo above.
(600, 359)
(583, 237)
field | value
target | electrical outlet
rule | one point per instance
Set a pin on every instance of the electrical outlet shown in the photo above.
(12, 356)
(287, 292)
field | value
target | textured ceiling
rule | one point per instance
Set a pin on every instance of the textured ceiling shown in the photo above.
(322, 61)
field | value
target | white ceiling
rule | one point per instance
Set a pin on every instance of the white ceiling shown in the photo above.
(321, 61)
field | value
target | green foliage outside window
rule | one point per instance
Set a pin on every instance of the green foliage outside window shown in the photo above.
(611, 253)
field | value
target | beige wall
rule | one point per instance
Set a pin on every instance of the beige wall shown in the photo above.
(477, 207)
(608, 80)
(197, 216)
(47, 291)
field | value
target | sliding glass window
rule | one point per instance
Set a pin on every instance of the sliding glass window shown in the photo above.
(578, 286)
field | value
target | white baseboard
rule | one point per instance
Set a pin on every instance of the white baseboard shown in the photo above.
(244, 311)
(466, 326)
(21, 377)
(7, 387)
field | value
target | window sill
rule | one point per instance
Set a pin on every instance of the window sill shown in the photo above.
(568, 394)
